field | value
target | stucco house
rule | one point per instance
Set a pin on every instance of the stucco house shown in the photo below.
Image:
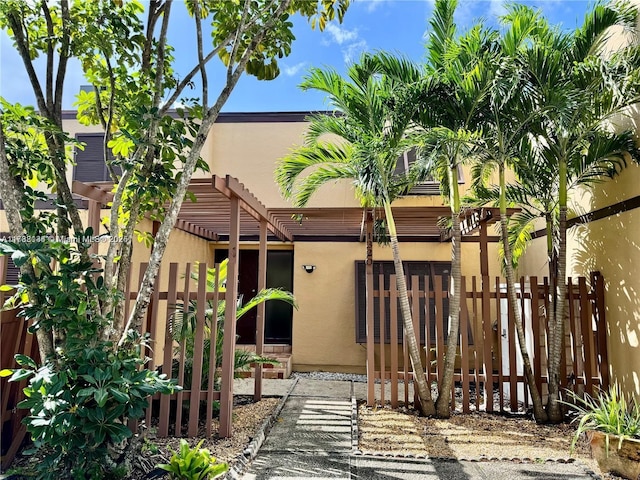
(320, 259)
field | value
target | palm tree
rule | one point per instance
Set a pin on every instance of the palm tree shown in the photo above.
(445, 107)
(371, 140)
(511, 108)
(580, 90)
(559, 139)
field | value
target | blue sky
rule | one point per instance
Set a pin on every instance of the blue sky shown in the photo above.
(393, 25)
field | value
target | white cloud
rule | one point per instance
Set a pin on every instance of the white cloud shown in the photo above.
(341, 35)
(352, 51)
(372, 5)
(350, 42)
(293, 70)
(497, 8)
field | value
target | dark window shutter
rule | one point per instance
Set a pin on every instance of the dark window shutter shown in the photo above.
(427, 187)
(90, 164)
(13, 273)
(419, 269)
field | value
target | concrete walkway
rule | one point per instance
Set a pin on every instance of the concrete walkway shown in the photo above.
(312, 438)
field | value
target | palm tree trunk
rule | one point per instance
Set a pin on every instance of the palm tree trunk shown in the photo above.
(538, 410)
(444, 395)
(419, 378)
(556, 328)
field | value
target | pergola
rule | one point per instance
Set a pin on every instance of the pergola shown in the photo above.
(225, 210)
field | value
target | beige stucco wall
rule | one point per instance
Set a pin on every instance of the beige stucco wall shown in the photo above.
(324, 324)
(611, 246)
(250, 152)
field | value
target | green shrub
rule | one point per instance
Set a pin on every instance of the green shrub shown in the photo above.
(78, 411)
(81, 397)
(610, 413)
(193, 463)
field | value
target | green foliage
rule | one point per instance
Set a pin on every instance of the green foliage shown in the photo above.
(184, 328)
(610, 412)
(80, 399)
(193, 463)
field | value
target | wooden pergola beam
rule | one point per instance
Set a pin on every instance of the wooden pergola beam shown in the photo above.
(91, 193)
(230, 187)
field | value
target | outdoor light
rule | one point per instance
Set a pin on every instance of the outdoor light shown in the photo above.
(309, 268)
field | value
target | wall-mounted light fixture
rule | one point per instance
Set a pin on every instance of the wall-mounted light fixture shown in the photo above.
(309, 268)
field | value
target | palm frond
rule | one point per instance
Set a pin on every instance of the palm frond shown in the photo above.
(265, 295)
(291, 167)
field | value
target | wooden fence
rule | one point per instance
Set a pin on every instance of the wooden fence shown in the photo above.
(188, 412)
(488, 372)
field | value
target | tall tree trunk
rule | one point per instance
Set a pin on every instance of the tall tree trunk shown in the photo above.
(444, 395)
(162, 237)
(419, 378)
(538, 409)
(556, 329)
(10, 192)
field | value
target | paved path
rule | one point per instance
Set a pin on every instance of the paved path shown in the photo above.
(312, 439)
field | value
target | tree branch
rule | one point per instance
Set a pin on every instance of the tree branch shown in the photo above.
(160, 243)
(65, 45)
(10, 191)
(22, 42)
(201, 63)
(50, 50)
(187, 79)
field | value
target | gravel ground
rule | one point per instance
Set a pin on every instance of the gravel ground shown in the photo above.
(474, 436)
(247, 418)
(329, 376)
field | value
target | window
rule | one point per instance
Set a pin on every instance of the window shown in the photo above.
(90, 164)
(12, 274)
(429, 186)
(421, 269)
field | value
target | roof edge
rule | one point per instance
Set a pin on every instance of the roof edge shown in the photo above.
(244, 117)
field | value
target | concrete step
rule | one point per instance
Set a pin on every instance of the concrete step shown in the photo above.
(281, 369)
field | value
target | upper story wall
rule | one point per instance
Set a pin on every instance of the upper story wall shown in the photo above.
(248, 146)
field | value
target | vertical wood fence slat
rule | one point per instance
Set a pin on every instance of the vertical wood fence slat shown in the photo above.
(383, 369)
(371, 365)
(535, 328)
(573, 332)
(587, 333)
(488, 340)
(464, 346)
(198, 351)
(477, 340)
(499, 351)
(213, 350)
(415, 314)
(165, 403)
(548, 316)
(393, 310)
(439, 328)
(405, 364)
(513, 371)
(183, 353)
(523, 316)
(597, 285)
(427, 328)
(152, 328)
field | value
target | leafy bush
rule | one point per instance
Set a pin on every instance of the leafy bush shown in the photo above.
(81, 397)
(193, 463)
(610, 413)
